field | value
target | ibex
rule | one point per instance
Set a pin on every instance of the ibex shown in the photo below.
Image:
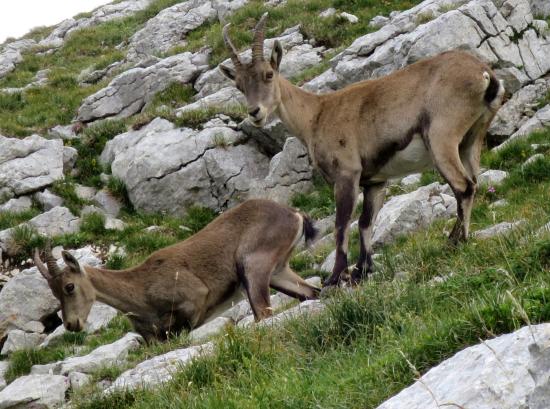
(434, 112)
(183, 285)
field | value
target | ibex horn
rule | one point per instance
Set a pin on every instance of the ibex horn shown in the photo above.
(234, 55)
(258, 44)
(40, 265)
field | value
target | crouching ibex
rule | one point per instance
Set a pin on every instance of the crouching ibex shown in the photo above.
(432, 113)
(183, 285)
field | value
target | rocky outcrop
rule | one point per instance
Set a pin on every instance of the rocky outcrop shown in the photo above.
(430, 28)
(11, 55)
(130, 91)
(290, 172)
(35, 391)
(169, 169)
(17, 205)
(498, 229)
(100, 15)
(412, 211)
(54, 222)
(537, 122)
(169, 28)
(507, 372)
(29, 164)
(159, 369)
(515, 113)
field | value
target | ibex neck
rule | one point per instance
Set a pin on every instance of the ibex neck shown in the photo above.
(298, 110)
(117, 289)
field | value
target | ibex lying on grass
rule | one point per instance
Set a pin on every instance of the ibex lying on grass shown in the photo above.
(183, 285)
(432, 113)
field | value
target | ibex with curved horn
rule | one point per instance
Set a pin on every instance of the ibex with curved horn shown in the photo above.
(247, 247)
(432, 113)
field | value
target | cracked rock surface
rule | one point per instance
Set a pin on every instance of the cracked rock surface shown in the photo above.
(502, 33)
(170, 169)
(100, 15)
(29, 164)
(10, 55)
(130, 91)
(507, 372)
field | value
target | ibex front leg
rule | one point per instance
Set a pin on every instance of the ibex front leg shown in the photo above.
(345, 193)
(372, 202)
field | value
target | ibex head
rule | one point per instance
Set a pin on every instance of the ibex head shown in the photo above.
(70, 286)
(257, 80)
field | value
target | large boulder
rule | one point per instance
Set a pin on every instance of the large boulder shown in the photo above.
(537, 122)
(35, 391)
(170, 169)
(168, 28)
(507, 372)
(130, 91)
(410, 212)
(100, 15)
(11, 55)
(480, 26)
(290, 172)
(26, 300)
(29, 164)
(159, 369)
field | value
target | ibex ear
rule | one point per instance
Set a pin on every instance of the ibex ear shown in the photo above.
(276, 55)
(71, 261)
(228, 72)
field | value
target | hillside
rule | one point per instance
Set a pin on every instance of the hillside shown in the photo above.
(119, 136)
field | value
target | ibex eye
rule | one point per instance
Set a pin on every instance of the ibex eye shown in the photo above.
(69, 288)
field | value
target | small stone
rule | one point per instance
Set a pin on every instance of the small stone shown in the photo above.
(79, 379)
(114, 224)
(411, 180)
(378, 22)
(498, 229)
(18, 205)
(44, 391)
(328, 12)
(536, 157)
(85, 192)
(210, 329)
(498, 203)
(350, 17)
(108, 202)
(492, 177)
(48, 200)
(64, 132)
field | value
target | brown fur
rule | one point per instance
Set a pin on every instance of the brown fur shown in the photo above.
(183, 285)
(432, 113)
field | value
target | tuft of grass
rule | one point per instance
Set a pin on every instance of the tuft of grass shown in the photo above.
(22, 361)
(90, 145)
(93, 224)
(117, 187)
(319, 203)
(12, 219)
(196, 117)
(66, 190)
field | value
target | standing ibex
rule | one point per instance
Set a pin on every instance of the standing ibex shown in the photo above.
(433, 112)
(183, 285)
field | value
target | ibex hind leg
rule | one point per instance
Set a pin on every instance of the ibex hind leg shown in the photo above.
(255, 272)
(444, 145)
(288, 282)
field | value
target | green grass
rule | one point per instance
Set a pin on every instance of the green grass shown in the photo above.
(332, 32)
(319, 203)
(12, 219)
(40, 108)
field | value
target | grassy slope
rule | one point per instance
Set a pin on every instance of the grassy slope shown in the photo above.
(352, 355)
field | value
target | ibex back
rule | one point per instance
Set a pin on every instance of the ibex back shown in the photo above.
(432, 113)
(247, 247)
